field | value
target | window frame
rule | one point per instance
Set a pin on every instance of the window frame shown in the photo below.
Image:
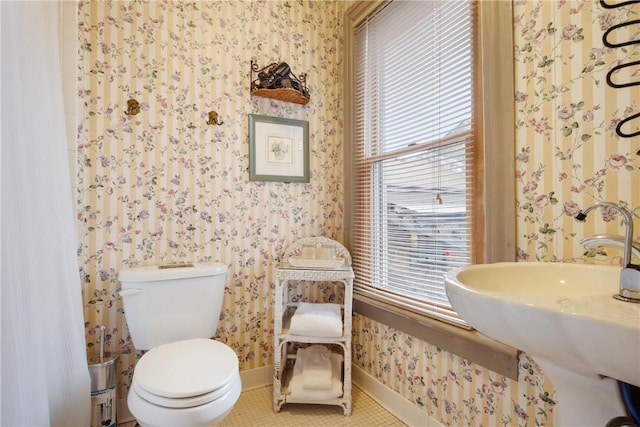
(494, 214)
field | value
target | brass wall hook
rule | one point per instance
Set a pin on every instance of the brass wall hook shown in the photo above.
(133, 107)
(213, 119)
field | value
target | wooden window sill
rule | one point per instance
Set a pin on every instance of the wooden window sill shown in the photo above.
(468, 344)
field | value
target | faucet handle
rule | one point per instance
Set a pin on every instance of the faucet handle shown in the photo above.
(614, 240)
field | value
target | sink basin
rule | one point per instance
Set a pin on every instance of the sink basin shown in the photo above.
(564, 316)
(562, 313)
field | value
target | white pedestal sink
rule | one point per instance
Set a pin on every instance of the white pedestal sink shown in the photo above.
(564, 316)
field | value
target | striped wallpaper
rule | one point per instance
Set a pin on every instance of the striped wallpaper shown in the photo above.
(164, 186)
(568, 155)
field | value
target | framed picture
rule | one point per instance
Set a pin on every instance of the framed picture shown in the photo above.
(278, 149)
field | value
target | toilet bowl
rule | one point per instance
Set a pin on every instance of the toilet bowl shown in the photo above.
(194, 382)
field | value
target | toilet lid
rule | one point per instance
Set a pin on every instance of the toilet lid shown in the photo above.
(186, 368)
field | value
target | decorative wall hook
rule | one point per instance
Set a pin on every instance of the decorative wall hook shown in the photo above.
(213, 119)
(133, 107)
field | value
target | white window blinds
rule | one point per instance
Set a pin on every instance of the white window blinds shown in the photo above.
(413, 153)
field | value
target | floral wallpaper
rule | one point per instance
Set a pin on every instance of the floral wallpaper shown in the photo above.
(450, 389)
(568, 154)
(163, 186)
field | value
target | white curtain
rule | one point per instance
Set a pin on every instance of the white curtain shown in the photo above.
(45, 379)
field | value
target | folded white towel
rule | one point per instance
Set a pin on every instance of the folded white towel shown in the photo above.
(316, 368)
(297, 390)
(317, 320)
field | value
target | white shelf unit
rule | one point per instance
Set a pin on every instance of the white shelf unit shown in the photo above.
(286, 343)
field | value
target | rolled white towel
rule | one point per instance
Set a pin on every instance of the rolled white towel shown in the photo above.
(316, 368)
(317, 320)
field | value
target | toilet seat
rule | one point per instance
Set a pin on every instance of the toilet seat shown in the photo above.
(182, 402)
(186, 373)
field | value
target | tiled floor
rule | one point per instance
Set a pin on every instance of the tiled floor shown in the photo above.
(255, 409)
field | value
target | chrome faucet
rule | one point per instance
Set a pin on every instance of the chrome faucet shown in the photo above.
(630, 274)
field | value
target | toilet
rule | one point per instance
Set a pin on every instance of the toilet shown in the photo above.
(185, 378)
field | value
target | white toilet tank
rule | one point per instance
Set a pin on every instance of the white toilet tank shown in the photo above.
(164, 304)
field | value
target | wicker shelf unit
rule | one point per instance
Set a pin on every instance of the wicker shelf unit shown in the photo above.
(286, 344)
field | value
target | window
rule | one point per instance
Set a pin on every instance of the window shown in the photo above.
(415, 154)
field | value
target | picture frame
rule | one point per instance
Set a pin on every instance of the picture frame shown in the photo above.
(278, 149)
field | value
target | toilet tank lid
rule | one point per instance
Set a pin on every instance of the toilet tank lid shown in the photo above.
(171, 272)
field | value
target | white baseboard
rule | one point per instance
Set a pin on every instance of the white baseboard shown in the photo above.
(257, 378)
(393, 402)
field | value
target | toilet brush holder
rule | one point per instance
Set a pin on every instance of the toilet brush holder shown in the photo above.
(102, 370)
